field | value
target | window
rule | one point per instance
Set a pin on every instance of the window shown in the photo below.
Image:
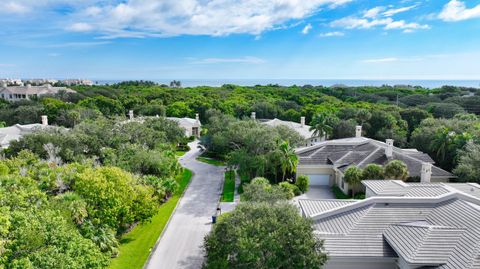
(10, 96)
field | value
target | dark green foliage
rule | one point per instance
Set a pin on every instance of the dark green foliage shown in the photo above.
(373, 171)
(396, 170)
(263, 235)
(302, 182)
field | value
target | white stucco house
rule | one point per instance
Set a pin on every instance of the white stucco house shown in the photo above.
(17, 93)
(404, 226)
(192, 127)
(326, 161)
(15, 132)
(300, 127)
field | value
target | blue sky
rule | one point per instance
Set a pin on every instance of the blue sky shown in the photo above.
(240, 39)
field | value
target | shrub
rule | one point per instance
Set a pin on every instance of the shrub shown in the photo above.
(288, 189)
(303, 182)
(373, 171)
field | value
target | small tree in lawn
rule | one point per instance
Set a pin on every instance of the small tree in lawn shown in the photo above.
(353, 176)
(396, 170)
(373, 171)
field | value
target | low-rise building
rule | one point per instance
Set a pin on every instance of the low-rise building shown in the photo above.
(15, 132)
(433, 225)
(192, 127)
(17, 93)
(301, 128)
(326, 161)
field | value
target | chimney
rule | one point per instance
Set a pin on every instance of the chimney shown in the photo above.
(358, 131)
(426, 172)
(44, 120)
(29, 85)
(197, 117)
(130, 114)
(302, 121)
(4, 84)
(389, 149)
(254, 116)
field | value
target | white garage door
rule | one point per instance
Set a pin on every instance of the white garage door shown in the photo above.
(319, 180)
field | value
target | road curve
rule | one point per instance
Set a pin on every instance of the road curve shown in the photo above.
(180, 245)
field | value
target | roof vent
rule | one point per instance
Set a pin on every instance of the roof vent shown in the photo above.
(389, 148)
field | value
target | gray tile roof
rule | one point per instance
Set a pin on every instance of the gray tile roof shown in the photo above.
(343, 153)
(302, 130)
(15, 132)
(440, 232)
(45, 89)
(312, 207)
(399, 188)
(421, 243)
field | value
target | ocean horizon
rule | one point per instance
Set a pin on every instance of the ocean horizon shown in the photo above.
(315, 82)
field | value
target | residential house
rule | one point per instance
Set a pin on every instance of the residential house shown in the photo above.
(15, 132)
(326, 162)
(192, 127)
(16, 93)
(300, 127)
(416, 225)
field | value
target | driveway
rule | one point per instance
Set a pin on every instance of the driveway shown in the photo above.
(317, 193)
(180, 245)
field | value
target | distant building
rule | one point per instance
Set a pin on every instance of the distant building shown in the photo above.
(76, 82)
(192, 127)
(11, 82)
(300, 127)
(15, 132)
(16, 93)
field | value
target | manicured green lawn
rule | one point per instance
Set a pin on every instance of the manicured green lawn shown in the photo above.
(210, 161)
(229, 187)
(180, 153)
(135, 246)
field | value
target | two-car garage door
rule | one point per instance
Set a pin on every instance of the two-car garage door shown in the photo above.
(319, 180)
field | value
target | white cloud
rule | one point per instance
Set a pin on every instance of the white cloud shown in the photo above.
(394, 11)
(307, 29)
(457, 11)
(386, 23)
(13, 7)
(80, 27)
(373, 12)
(246, 60)
(197, 17)
(331, 34)
(7, 65)
(381, 60)
(77, 44)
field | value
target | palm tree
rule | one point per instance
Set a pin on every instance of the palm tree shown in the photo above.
(396, 170)
(288, 159)
(322, 125)
(353, 176)
(441, 143)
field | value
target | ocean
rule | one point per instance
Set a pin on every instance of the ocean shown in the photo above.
(315, 82)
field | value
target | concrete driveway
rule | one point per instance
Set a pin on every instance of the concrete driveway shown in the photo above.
(180, 245)
(317, 193)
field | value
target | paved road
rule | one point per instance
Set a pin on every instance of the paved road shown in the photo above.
(180, 245)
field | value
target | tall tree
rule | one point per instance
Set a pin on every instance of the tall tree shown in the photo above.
(289, 159)
(353, 176)
(396, 170)
(263, 235)
(322, 124)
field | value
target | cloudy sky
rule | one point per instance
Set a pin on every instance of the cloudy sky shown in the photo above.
(240, 39)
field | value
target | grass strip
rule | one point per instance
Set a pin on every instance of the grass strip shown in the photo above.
(229, 187)
(135, 246)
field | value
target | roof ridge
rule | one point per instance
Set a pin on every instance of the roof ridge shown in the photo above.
(369, 155)
(399, 200)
